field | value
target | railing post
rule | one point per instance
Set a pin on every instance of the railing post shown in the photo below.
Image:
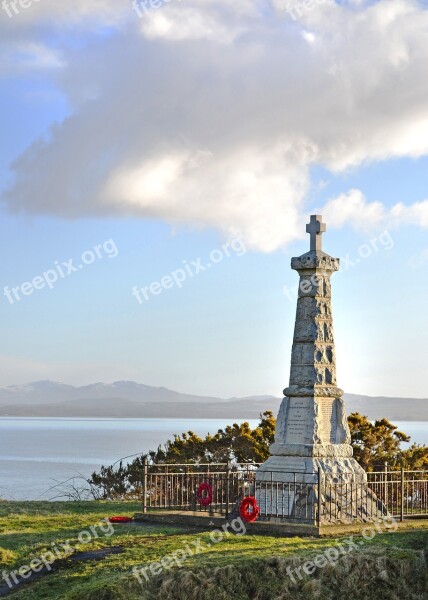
(271, 495)
(402, 495)
(319, 496)
(386, 486)
(210, 507)
(145, 484)
(227, 490)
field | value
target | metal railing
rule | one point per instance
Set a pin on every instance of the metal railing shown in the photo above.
(309, 498)
(175, 486)
(291, 500)
(403, 493)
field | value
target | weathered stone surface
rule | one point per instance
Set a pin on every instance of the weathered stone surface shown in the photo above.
(317, 390)
(287, 486)
(315, 260)
(337, 469)
(312, 431)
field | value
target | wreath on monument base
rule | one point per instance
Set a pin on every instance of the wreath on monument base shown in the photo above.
(120, 519)
(204, 494)
(249, 509)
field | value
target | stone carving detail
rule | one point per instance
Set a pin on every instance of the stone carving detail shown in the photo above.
(313, 308)
(312, 354)
(314, 260)
(327, 288)
(328, 332)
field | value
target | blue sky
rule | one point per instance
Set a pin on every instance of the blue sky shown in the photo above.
(167, 137)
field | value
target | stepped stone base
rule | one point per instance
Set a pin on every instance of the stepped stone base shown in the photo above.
(287, 486)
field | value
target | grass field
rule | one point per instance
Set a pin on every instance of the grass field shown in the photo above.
(392, 565)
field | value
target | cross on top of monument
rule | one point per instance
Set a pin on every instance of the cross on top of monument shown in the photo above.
(316, 228)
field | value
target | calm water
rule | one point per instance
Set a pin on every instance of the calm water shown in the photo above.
(37, 453)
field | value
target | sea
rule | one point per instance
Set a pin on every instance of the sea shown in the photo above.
(38, 455)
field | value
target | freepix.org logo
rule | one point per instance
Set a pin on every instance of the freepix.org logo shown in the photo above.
(13, 7)
(60, 270)
(188, 270)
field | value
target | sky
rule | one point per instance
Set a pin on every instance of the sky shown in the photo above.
(158, 164)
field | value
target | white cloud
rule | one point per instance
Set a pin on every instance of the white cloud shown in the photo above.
(353, 208)
(183, 22)
(363, 215)
(212, 113)
(415, 214)
(308, 36)
(239, 190)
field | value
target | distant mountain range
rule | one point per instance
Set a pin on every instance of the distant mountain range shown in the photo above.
(127, 399)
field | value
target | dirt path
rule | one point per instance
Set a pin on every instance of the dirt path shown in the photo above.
(6, 590)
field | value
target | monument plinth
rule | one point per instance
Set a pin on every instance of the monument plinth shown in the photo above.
(312, 430)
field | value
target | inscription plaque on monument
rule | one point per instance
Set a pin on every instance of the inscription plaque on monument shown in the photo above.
(297, 421)
(328, 419)
(277, 499)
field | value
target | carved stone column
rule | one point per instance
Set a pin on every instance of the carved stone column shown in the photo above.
(312, 430)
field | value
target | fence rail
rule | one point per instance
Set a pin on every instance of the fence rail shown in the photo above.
(404, 493)
(309, 498)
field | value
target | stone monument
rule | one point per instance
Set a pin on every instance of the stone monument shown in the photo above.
(312, 430)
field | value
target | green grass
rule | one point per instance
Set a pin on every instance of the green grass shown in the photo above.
(229, 569)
